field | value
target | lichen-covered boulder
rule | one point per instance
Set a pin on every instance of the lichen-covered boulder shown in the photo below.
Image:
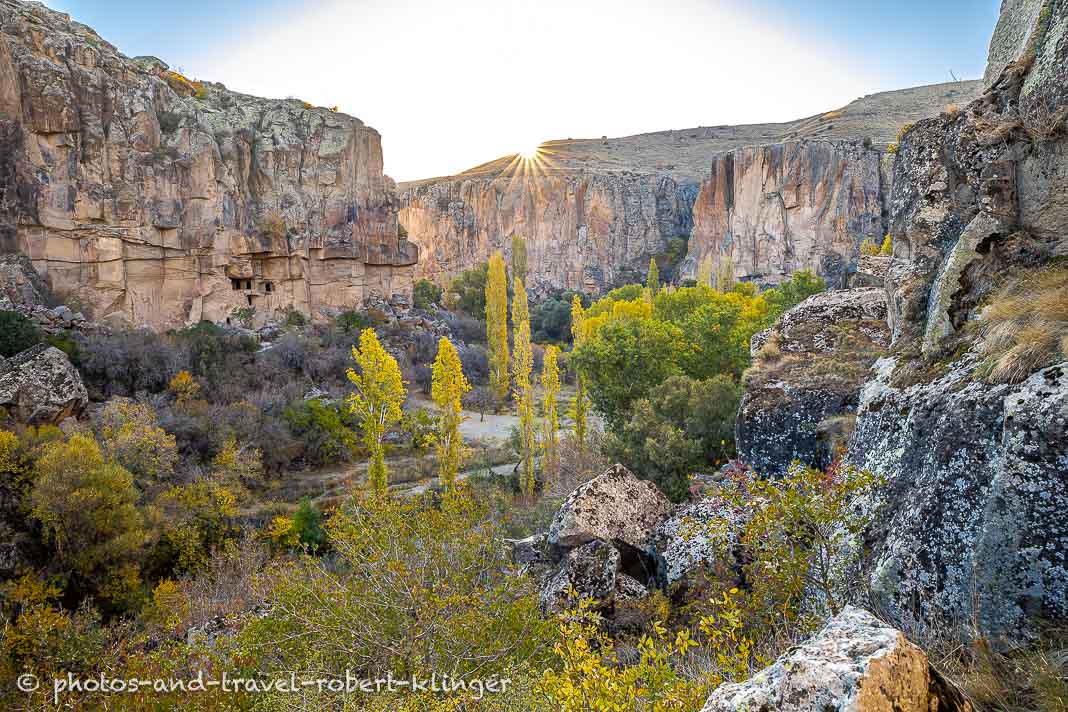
(970, 527)
(40, 386)
(699, 537)
(613, 507)
(593, 571)
(807, 372)
(855, 663)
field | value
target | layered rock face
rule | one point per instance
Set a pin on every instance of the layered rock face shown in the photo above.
(583, 232)
(154, 200)
(774, 210)
(775, 198)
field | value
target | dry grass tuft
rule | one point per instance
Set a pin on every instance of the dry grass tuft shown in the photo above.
(1025, 326)
(952, 110)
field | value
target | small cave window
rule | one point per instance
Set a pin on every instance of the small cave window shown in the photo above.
(235, 284)
(268, 287)
(248, 284)
(248, 297)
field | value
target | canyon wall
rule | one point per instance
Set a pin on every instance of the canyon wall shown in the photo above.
(583, 232)
(146, 198)
(777, 209)
(775, 198)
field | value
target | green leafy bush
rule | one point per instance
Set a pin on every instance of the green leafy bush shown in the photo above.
(425, 294)
(17, 333)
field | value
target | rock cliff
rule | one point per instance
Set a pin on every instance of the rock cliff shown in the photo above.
(775, 198)
(152, 199)
(964, 421)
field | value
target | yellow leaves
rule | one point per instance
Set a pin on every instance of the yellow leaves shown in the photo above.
(522, 366)
(283, 534)
(448, 386)
(497, 325)
(376, 401)
(131, 437)
(184, 387)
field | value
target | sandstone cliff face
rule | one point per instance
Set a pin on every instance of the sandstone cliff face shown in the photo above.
(583, 232)
(777, 209)
(775, 198)
(159, 201)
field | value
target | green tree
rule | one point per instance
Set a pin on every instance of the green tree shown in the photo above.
(497, 326)
(448, 389)
(580, 407)
(652, 281)
(624, 359)
(87, 510)
(519, 258)
(376, 401)
(17, 333)
(801, 285)
(683, 426)
(469, 291)
(426, 294)
(522, 366)
(550, 389)
(724, 276)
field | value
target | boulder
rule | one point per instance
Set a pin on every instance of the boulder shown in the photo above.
(698, 537)
(613, 507)
(806, 376)
(40, 386)
(970, 527)
(593, 570)
(855, 663)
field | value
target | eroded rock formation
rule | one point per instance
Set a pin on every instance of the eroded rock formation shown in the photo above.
(968, 529)
(856, 663)
(775, 198)
(155, 200)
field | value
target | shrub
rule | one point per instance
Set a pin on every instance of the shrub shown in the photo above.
(425, 294)
(17, 333)
(1025, 326)
(887, 248)
(470, 291)
(324, 430)
(130, 436)
(869, 248)
(169, 121)
(416, 587)
(684, 426)
(352, 322)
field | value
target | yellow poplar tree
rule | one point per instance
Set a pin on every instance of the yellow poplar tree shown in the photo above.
(376, 401)
(522, 365)
(580, 408)
(653, 280)
(447, 388)
(497, 326)
(550, 388)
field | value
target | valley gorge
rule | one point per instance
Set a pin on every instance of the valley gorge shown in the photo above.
(772, 198)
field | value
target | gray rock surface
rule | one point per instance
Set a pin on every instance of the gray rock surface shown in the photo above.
(40, 385)
(855, 663)
(806, 377)
(698, 536)
(970, 527)
(615, 506)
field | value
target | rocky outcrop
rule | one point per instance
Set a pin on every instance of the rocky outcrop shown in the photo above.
(775, 198)
(699, 537)
(803, 387)
(774, 210)
(613, 507)
(152, 199)
(967, 530)
(855, 663)
(40, 386)
(969, 527)
(592, 570)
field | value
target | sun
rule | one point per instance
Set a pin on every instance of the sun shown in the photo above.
(530, 152)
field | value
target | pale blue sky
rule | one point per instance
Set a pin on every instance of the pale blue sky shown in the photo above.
(451, 85)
